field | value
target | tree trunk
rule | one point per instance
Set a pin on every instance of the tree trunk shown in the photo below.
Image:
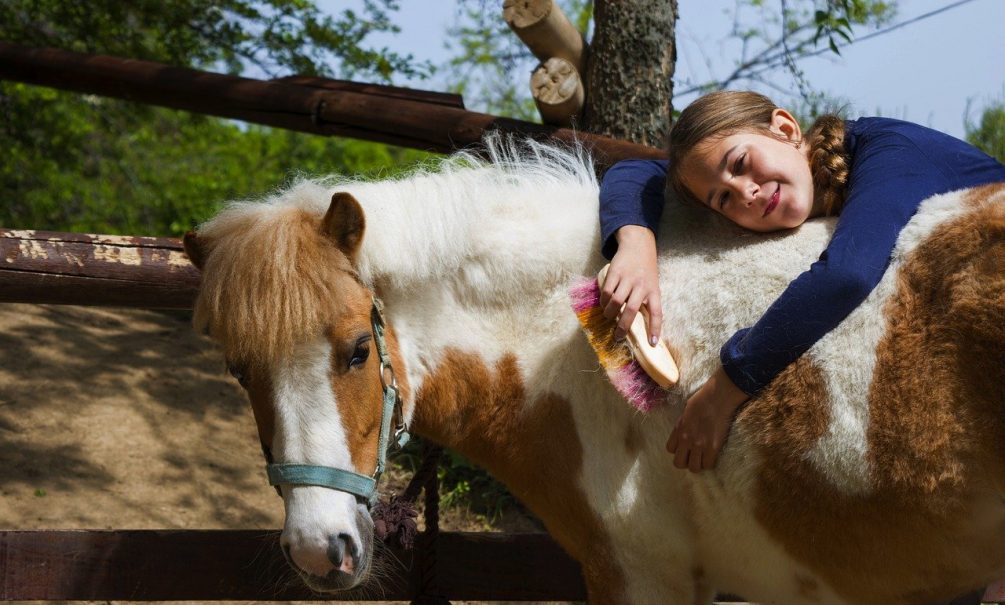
(629, 76)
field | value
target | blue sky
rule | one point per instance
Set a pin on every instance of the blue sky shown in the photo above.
(926, 72)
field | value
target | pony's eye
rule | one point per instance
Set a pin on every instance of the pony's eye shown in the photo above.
(360, 352)
(240, 374)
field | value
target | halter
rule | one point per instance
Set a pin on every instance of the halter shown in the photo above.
(348, 481)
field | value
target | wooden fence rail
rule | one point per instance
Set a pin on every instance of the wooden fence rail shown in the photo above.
(104, 270)
(386, 114)
(247, 565)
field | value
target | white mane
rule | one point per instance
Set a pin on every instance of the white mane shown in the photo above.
(479, 213)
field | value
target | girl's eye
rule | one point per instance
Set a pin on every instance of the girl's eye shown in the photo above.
(740, 161)
(240, 374)
(360, 352)
(723, 199)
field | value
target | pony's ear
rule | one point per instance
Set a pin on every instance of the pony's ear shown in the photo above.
(194, 249)
(344, 223)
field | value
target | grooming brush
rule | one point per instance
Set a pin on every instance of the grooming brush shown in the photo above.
(637, 369)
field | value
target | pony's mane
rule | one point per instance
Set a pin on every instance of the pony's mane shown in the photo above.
(271, 275)
(442, 215)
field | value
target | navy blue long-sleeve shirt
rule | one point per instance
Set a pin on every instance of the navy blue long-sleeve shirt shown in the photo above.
(895, 165)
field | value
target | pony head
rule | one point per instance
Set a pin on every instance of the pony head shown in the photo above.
(281, 296)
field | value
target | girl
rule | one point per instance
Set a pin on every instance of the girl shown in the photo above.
(747, 159)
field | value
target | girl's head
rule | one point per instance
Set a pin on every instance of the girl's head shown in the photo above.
(746, 158)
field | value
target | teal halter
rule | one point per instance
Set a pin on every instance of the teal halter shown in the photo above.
(348, 481)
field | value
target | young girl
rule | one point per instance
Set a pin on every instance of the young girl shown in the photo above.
(747, 159)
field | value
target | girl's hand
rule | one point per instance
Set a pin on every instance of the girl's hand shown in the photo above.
(702, 429)
(633, 281)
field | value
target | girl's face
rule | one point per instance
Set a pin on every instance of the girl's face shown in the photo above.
(757, 181)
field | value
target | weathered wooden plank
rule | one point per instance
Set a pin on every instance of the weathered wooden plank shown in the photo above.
(148, 565)
(212, 565)
(84, 269)
(396, 92)
(384, 117)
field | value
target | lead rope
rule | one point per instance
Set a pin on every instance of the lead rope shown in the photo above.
(430, 592)
(394, 522)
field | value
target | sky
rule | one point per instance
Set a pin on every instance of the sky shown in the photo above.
(926, 72)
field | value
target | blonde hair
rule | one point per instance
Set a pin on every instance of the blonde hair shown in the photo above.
(726, 112)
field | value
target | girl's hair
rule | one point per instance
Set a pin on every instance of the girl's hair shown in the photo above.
(726, 112)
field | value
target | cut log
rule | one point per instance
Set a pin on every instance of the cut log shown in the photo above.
(558, 92)
(545, 29)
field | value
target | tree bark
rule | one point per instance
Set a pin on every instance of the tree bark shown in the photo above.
(630, 67)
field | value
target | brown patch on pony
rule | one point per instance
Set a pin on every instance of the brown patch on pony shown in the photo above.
(482, 412)
(358, 390)
(936, 437)
(270, 279)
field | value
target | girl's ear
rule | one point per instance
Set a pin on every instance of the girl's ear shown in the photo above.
(783, 123)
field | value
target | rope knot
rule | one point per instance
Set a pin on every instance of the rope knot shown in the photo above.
(395, 520)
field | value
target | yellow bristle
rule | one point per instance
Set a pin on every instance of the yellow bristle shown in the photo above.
(600, 334)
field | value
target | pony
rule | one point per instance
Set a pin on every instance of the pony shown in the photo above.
(872, 470)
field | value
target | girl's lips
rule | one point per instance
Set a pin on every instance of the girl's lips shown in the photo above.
(773, 203)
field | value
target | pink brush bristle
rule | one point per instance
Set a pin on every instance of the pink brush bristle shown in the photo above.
(623, 371)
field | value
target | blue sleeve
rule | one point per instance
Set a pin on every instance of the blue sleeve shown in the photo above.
(630, 194)
(889, 178)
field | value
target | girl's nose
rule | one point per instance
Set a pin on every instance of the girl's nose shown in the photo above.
(746, 190)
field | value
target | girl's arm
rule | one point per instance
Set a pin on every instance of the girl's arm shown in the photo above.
(631, 202)
(890, 177)
(895, 166)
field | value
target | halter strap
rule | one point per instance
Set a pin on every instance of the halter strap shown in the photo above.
(348, 481)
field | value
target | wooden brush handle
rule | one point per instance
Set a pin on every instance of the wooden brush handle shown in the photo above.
(656, 360)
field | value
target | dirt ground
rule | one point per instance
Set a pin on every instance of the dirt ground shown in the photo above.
(127, 419)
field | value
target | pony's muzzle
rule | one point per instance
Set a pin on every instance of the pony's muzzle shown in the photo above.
(343, 561)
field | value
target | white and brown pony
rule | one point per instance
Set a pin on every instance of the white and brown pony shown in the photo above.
(872, 470)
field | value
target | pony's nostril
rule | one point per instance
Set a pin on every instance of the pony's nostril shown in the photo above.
(342, 553)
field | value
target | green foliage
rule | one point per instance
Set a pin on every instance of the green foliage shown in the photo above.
(462, 484)
(837, 17)
(275, 36)
(102, 168)
(989, 134)
(86, 163)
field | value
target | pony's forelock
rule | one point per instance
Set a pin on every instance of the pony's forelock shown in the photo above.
(270, 280)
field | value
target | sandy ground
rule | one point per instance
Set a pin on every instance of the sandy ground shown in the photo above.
(123, 418)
